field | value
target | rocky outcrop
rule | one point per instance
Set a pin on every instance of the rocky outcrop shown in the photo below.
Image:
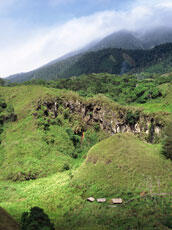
(107, 116)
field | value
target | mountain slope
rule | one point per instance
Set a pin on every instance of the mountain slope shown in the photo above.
(117, 61)
(122, 39)
(157, 36)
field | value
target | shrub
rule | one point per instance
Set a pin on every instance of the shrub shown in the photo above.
(66, 167)
(167, 144)
(36, 219)
(132, 118)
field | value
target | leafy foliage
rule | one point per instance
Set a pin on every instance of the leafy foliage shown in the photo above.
(139, 88)
(2, 82)
(36, 219)
(132, 118)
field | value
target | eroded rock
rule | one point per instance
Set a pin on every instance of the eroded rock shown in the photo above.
(109, 118)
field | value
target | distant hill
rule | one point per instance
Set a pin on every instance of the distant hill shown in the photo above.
(6, 221)
(116, 61)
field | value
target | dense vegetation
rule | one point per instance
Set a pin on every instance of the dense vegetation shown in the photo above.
(124, 89)
(6, 114)
(167, 144)
(36, 219)
(116, 61)
(48, 162)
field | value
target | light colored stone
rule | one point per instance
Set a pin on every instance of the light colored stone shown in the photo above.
(91, 199)
(117, 201)
(157, 130)
(101, 200)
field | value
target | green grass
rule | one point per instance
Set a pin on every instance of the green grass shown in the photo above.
(123, 163)
(160, 104)
(119, 166)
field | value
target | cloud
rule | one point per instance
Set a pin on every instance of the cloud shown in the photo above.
(35, 48)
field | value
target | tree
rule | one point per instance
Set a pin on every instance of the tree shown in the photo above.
(2, 82)
(36, 219)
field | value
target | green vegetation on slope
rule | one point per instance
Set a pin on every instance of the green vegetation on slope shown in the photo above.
(121, 166)
(44, 164)
(152, 92)
(35, 147)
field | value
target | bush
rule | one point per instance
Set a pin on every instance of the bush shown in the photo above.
(167, 145)
(36, 219)
(132, 118)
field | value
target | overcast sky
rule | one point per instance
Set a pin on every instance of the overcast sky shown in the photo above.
(34, 32)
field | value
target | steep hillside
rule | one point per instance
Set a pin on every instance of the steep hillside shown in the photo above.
(115, 61)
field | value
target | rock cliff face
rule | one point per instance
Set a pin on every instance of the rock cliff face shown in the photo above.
(109, 117)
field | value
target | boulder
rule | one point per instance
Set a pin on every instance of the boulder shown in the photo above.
(101, 200)
(117, 201)
(91, 199)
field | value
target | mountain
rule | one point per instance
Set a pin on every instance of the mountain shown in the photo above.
(125, 42)
(122, 39)
(116, 61)
(157, 36)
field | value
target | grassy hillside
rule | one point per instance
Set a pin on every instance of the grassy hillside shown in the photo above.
(52, 168)
(28, 151)
(121, 166)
